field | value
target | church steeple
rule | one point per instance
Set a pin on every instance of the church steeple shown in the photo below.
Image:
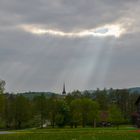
(64, 91)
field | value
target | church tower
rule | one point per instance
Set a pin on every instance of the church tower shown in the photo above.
(64, 91)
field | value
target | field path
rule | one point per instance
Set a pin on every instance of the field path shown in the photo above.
(6, 132)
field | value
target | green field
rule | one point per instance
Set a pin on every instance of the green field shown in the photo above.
(124, 133)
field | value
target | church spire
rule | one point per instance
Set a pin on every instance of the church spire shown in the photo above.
(64, 91)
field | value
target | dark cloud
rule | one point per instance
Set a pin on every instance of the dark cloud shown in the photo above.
(65, 14)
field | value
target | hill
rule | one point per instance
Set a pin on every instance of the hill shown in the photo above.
(134, 90)
(31, 95)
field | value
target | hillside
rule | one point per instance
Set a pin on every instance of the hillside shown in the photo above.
(134, 90)
(31, 95)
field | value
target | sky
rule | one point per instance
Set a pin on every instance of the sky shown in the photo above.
(86, 44)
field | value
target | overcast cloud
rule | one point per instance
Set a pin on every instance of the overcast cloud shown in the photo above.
(42, 61)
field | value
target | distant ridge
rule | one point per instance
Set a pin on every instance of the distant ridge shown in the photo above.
(134, 89)
(31, 95)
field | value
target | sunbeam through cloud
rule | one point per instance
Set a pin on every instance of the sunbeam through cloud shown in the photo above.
(107, 30)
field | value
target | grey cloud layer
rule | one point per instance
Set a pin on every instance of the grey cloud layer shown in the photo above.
(30, 62)
(65, 14)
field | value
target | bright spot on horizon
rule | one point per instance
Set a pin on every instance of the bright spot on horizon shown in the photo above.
(104, 31)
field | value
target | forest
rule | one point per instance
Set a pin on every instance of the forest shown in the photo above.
(95, 108)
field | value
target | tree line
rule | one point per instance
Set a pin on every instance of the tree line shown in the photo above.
(96, 108)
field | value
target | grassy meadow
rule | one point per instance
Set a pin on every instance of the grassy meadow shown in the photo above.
(124, 133)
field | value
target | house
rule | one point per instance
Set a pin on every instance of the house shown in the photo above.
(136, 115)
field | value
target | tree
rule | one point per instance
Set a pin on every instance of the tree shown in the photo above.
(122, 101)
(62, 114)
(75, 112)
(9, 111)
(69, 98)
(102, 99)
(2, 110)
(115, 115)
(93, 112)
(76, 94)
(22, 111)
(2, 85)
(89, 111)
(40, 108)
(87, 94)
(84, 110)
(52, 109)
